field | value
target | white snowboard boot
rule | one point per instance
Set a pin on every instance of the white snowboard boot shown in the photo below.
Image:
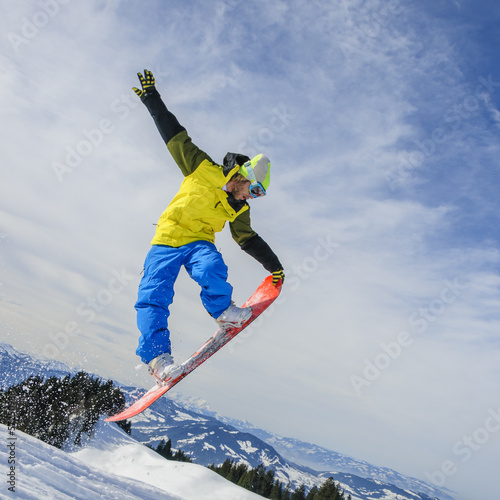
(234, 316)
(162, 367)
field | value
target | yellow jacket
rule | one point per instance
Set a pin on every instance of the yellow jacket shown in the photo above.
(201, 207)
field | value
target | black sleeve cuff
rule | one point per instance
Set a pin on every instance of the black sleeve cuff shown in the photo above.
(261, 251)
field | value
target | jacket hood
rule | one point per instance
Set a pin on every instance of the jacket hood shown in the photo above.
(232, 159)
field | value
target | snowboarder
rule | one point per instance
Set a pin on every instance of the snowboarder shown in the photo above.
(210, 195)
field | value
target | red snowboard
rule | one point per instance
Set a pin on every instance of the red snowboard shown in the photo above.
(262, 298)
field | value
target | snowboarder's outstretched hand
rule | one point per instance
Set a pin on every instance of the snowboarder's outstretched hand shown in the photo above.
(147, 81)
(278, 276)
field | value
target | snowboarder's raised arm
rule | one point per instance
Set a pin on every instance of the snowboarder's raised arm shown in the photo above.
(186, 154)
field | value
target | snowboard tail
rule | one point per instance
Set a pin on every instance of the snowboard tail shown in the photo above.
(261, 299)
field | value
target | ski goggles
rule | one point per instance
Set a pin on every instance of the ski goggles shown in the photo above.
(256, 188)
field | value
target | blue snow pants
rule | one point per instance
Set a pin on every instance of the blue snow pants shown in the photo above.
(156, 291)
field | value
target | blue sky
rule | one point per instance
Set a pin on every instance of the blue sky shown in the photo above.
(381, 120)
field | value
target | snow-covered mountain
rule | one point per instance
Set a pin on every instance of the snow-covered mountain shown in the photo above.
(322, 459)
(16, 366)
(210, 438)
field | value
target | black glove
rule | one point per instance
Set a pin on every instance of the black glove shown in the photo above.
(147, 82)
(278, 276)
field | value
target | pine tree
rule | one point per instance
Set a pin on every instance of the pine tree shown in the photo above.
(260, 481)
(125, 425)
(180, 456)
(165, 450)
(225, 468)
(59, 410)
(299, 493)
(268, 483)
(277, 491)
(262, 484)
(237, 472)
(329, 491)
(287, 493)
(312, 495)
(247, 480)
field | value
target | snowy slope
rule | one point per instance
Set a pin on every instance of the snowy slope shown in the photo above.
(43, 472)
(115, 452)
(112, 466)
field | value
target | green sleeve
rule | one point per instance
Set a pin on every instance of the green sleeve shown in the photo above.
(241, 230)
(252, 243)
(187, 155)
